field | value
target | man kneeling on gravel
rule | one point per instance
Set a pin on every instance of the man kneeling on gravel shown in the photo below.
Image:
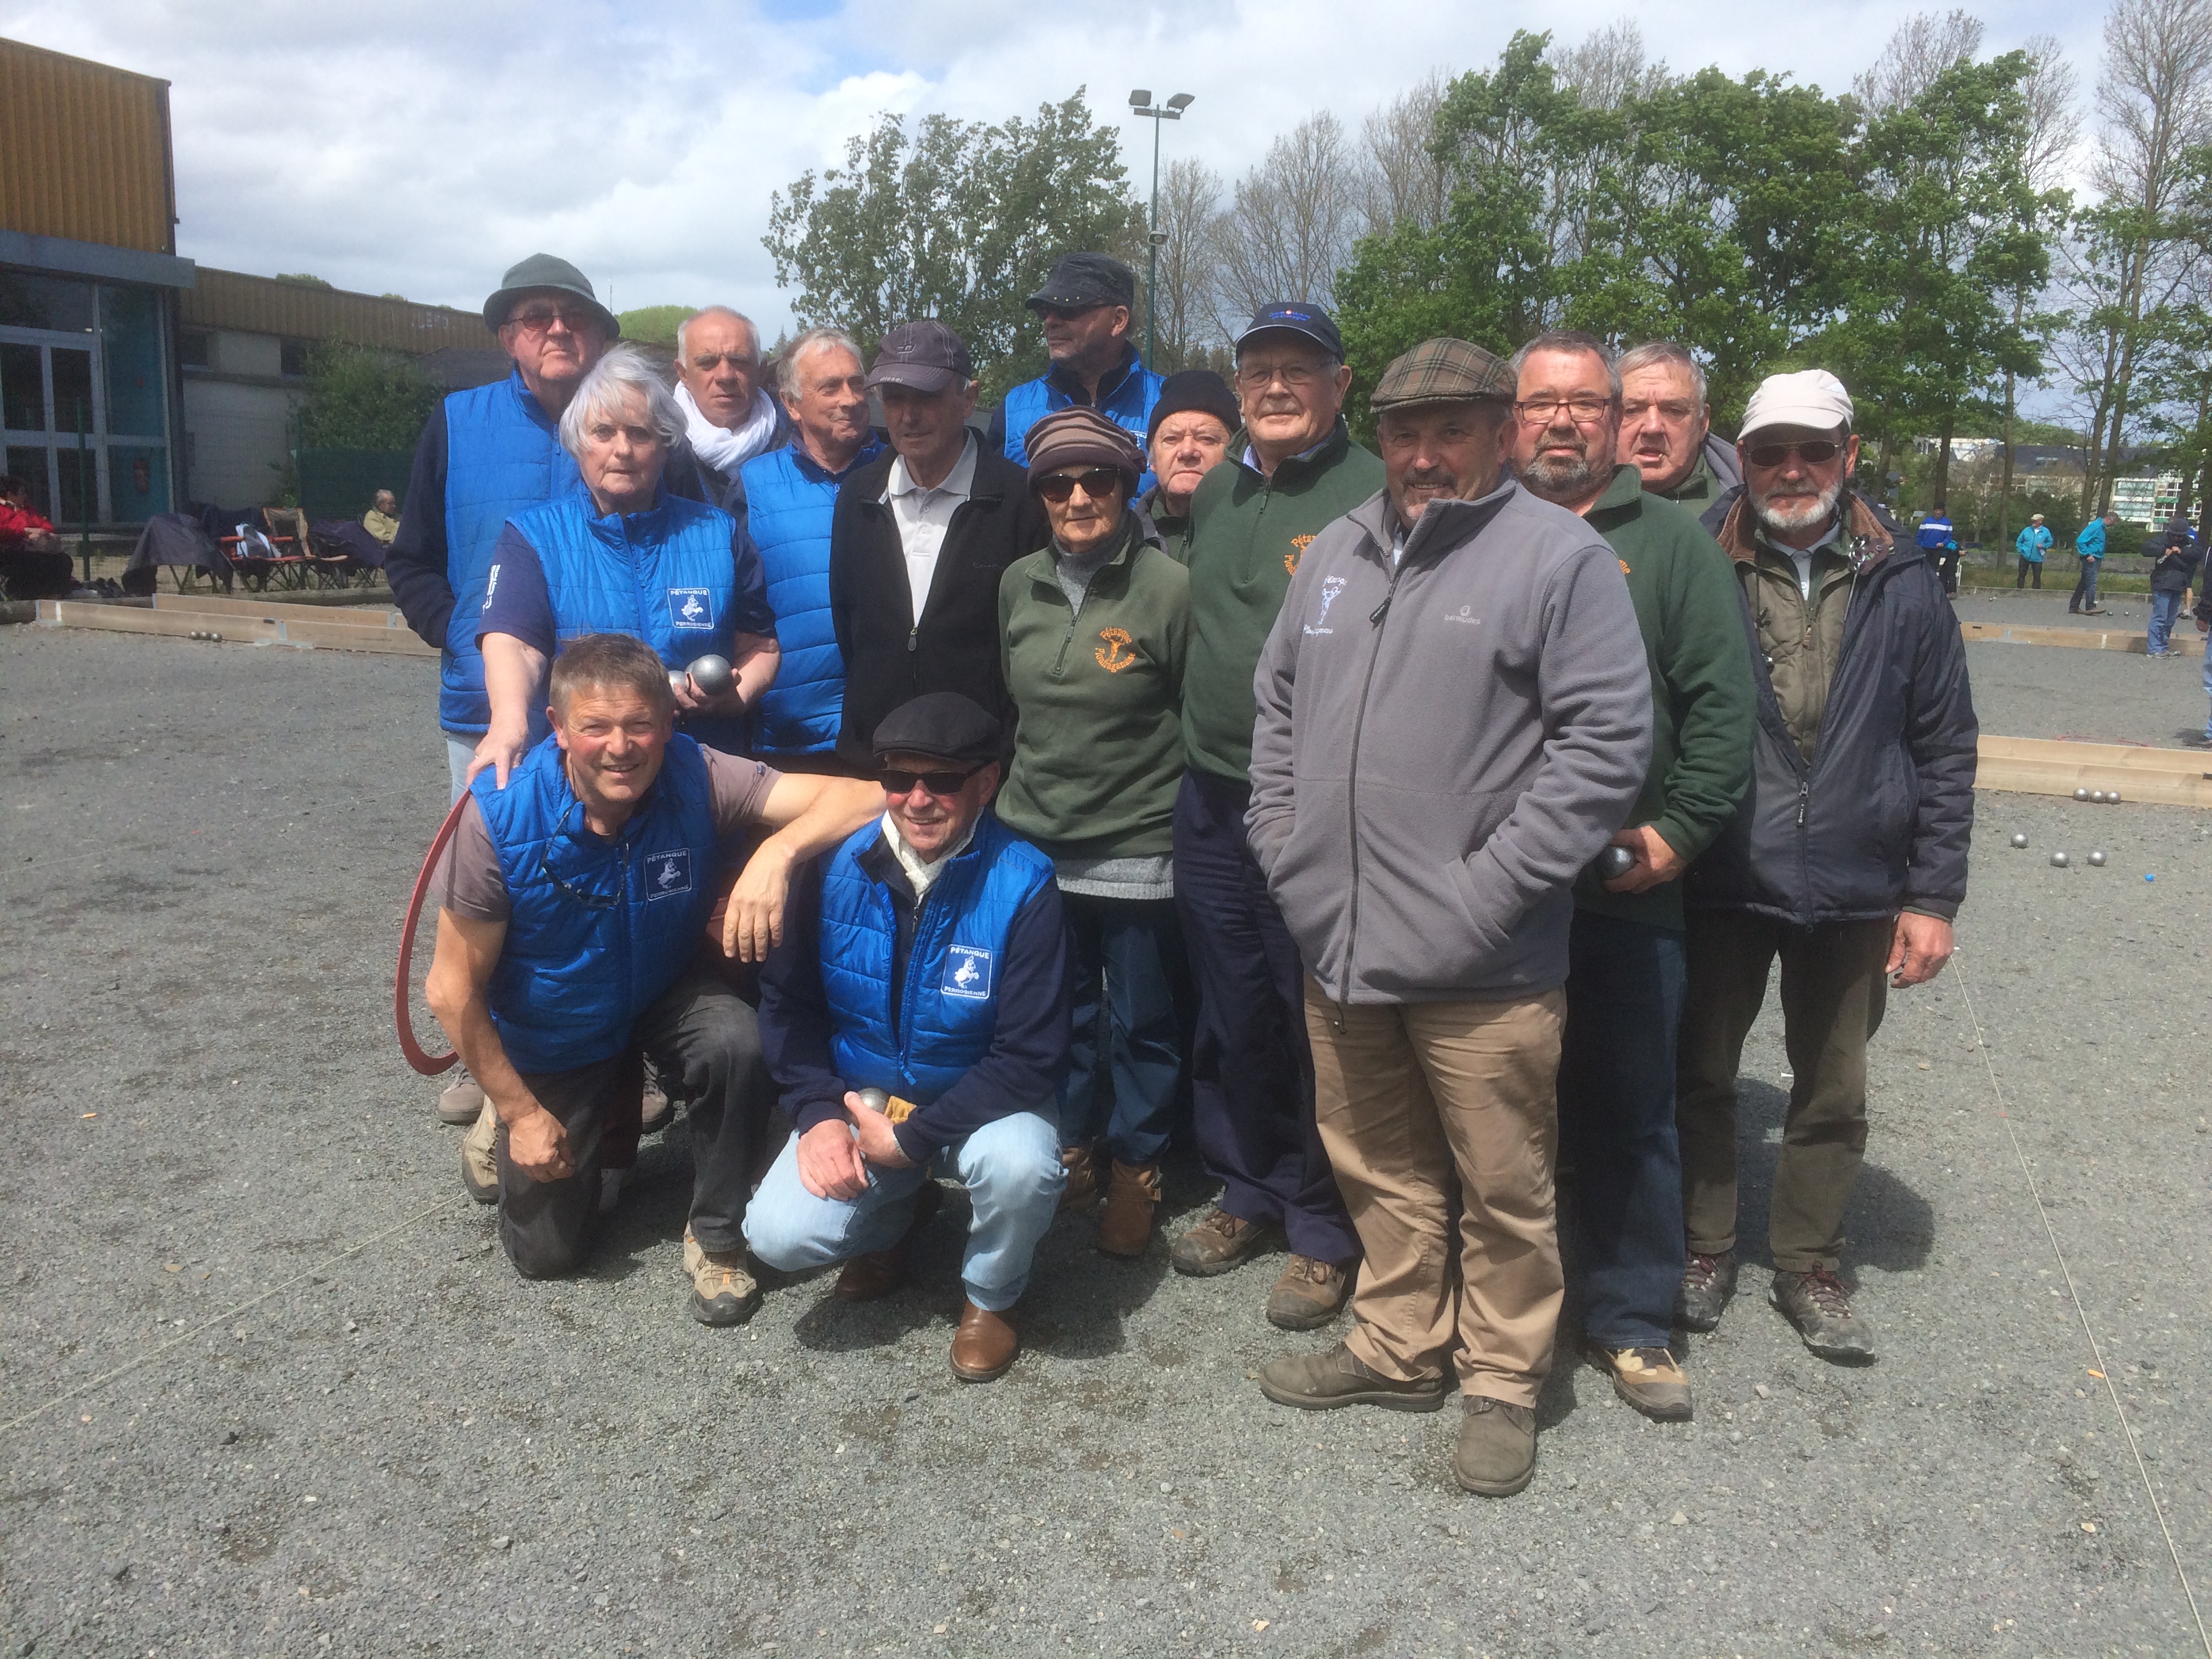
(572, 905)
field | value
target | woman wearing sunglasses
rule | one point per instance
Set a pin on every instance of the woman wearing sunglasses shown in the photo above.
(1092, 630)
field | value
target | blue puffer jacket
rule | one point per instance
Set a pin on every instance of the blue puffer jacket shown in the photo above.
(790, 497)
(1127, 401)
(502, 454)
(948, 1006)
(599, 929)
(665, 575)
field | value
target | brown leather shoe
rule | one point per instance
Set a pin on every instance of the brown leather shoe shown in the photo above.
(1219, 1241)
(1081, 1163)
(1125, 1227)
(879, 1272)
(984, 1346)
(1308, 1294)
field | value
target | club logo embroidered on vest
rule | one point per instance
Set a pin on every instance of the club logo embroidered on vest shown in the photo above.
(668, 874)
(967, 972)
(688, 608)
(1115, 655)
(1330, 587)
(1623, 564)
(1298, 545)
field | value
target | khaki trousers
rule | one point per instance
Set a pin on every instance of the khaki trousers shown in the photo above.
(1421, 1103)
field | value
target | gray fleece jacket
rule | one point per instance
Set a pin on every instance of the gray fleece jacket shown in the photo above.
(1442, 748)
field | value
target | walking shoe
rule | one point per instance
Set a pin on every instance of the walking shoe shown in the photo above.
(1816, 1305)
(461, 1100)
(480, 1156)
(1308, 1295)
(1649, 1379)
(985, 1344)
(1081, 1163)
(653, 1109)
(1322, 1382)
(879, 1272)
(1708, 1282)
(1125, 1225)
(723, 1290)
(2095, 611)
(1217, 1244)
(1495, 1454)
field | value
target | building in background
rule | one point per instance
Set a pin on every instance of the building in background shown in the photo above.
(2146, 500)
(90, 277)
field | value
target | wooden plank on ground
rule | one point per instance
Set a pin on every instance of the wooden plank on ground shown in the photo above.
(2090, 638)
(213, 604)
(258, 628)
(2044, 766)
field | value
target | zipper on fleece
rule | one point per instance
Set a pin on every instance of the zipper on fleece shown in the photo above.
(1377, 618)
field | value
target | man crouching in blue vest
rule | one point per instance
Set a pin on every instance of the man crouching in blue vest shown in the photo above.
(916, 1013)
(572, 904)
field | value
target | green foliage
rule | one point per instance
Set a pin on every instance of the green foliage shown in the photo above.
(957, 221)
(655, 325)
(361, 399)
(304, 279)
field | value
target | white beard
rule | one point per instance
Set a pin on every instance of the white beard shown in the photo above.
(1801, 517)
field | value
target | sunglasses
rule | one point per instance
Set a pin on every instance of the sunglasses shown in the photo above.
(539, 318)
(1818, 453)
(1098, 483)
(895, 782)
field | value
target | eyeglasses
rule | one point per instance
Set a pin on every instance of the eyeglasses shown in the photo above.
(895, 782)
(1097, 484)
(709, 361)
(1296, 376)
(1818, 451)
(536, 319)
(1583, 411)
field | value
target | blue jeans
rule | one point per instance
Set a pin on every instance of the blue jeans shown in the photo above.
(1012, 1170)
(2085, 587)
(1624, 990)
(2164, 608)
(1131, 944)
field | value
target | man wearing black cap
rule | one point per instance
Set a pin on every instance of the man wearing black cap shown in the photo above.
(1086, 305)
(1186, 438)
(915, 1015)
(1252, 1074)
(918, 540)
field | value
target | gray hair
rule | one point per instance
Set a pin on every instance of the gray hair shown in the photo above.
(683, 328)
(1654, 354)
(787, 361)
(622, 371)
(1571, 340)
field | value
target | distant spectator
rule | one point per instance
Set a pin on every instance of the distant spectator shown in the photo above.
(1939, 539)
(382, 520)
(2171, 578)
(2089, 545)
(729, 415)
(34, 564)
(1188, 438)
(2033, 543)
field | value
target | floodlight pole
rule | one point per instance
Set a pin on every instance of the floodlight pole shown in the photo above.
(1140, 103)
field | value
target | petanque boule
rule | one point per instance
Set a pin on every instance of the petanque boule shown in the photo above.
(2058, 861)
(2111, 798)
(712, 675)
(2096, 858)
(1614, 862)
(876, 1100)
(2097, 797)
(2080, 794)
(2019, 838)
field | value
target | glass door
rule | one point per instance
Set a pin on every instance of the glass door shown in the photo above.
(49, 393)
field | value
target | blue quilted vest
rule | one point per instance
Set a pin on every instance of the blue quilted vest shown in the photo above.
(1128, 406)
(790, 498)
(665, 576)
(502, 454)
(948, 1010)
(599, 929)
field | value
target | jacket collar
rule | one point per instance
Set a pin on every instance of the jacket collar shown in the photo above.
(812, 469)
(1070, 384)
(628, 529)
(1295, 468)
(527, 400)
(1444, 528)
(1623, 498)
(871, 478)
(1137, 532)
(1867, 541)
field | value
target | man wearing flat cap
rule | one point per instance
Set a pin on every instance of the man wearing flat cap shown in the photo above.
(1252, 518)
(1084, 308)
(1847, 861)
(918, 540)
(915, 1017)
(1449, 732)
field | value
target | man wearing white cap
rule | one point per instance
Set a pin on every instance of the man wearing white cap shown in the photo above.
(1848, 859)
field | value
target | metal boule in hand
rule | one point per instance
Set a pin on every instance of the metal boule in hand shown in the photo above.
(1614, 862)
(712, 675)
(876, 1100)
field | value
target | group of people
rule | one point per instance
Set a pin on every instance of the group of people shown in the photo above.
(974, 793)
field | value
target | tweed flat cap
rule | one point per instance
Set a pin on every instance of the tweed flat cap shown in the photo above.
(941, 725)
(1443, 371)
(1079, 436)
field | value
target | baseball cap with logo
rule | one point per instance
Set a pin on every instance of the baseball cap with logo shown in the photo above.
(926, 355)
(1298, 318)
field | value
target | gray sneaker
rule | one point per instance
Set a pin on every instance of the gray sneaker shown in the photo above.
(459, 1101)
(1708, 1282)
(1322, 1382)
(1496, 1453)
(480, 1157)
(1816, 1305)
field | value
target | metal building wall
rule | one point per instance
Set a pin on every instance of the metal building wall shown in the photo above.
(260, 305)
(84, 151)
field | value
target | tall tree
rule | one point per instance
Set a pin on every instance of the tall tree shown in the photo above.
(1291, 225)
(1190, 203)
(2054, 129)
(1407, 181)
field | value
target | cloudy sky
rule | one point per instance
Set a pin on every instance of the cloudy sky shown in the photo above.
(420, 148)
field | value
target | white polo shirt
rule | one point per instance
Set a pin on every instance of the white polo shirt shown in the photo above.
(924, 515)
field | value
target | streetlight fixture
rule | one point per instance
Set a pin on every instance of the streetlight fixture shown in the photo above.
(1140, 103)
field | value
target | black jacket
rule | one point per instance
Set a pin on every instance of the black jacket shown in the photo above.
(2175, 549)
(1880, 818)
(889, 657)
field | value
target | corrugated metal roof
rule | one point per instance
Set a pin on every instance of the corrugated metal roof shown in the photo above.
(84, 151)
(261, 305)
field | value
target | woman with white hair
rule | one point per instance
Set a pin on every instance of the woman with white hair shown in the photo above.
(621, 555)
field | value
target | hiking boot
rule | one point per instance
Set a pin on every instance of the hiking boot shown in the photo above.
(984, 1345)
(1217, 1244)
(480, 1156)
(1816, 1305)
(723, 1290)
(1081, 1163)
(1708, 1282)
(1322, 1382)
(1495, 1454)
(1125, 1225)
(879, 1272)
(1649, 1379)
(1308, 1294)
(460, 1101)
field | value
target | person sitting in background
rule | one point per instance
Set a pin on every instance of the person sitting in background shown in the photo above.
(34, 564)
(2089, 545)
(729, 417)
(2032, 543)
(382, 518)
(1097, 757)
(1188, 438)
(2174, 548)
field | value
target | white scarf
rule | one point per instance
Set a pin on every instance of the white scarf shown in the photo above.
(724, 450)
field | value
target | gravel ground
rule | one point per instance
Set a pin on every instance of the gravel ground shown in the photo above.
(2096, 696)
(267, 1386)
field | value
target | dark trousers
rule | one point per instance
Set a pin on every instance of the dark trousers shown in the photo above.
(2026, 566)
(1124, 1091)
(702, 1036)
(1833, 992)
(1251, 1071)
(1617, 1127)
(2085, 587)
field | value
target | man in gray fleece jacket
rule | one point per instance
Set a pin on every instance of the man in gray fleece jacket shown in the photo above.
(1449, 732)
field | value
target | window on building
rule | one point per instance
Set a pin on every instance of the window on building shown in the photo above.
(292, 357)
(196, 347)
